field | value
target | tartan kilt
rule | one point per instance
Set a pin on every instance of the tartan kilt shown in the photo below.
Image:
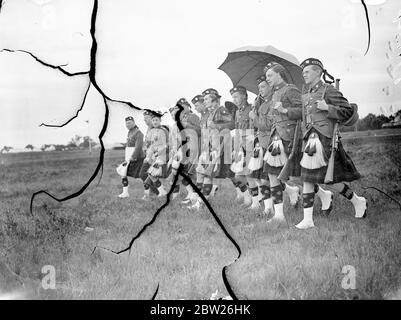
(223, 169)
(344, 168)
(294, 166)
(134, 168)
(260, 173)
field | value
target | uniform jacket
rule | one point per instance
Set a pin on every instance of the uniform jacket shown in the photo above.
(242, 120)
(282, 124)
(135, 139)
(261, 123)
(158, 142)
(320, 120)
(220, 118)
(203, 119)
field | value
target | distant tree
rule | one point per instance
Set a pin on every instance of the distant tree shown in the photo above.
(29, 147)
(85, 142)
(75, 141)
(44, 147)
(6, 149)
(59, 147)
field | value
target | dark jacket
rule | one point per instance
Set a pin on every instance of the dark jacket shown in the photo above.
(282, 124)
(135, 139)
(320, 120)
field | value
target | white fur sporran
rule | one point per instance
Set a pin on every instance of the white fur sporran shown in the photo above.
(256, 163)
(280, 158)
(122, 169)
(156, 169)
(177, 158)
(313, 157)
(203, 160)
(129, 151)
(238, 166)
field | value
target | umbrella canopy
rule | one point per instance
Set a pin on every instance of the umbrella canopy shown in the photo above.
(245, 65)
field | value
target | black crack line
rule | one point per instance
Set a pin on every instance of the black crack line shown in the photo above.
(74, 117)
(368, 22)
(207, 203)
(155, 294)
(99, 165)
(1, 4)
(70, 74)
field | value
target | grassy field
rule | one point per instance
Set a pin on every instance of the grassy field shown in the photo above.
(184, 252)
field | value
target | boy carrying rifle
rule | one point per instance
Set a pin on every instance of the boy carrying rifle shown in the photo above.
(324, 159)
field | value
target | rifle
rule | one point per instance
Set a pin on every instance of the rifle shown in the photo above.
(334, 144)
(285, 172)
(330, 167)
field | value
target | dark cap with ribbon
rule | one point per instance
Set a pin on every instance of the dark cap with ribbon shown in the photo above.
(211, 91)
(147, 113)
(269, 66)
(129, 118)
(156, 114)
(183, 102)
(261, 79)
(317, 62)
(240, 89)
(197, 98)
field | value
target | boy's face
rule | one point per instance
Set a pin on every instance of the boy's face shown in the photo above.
(148, 120)
(310, 74)
(199, 107)
(208, 101)
(156, 122)
(264, 89)
(130, 124)
(238, 98)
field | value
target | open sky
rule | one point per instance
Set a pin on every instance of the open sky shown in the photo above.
(154, 52)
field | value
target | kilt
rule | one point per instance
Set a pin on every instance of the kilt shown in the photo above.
(344, 168)
(143, 174)
(294, 166)
(260, 173)
(134, 168)
(245, 171)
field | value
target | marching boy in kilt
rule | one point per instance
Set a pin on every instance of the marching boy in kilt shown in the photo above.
(211, 161)
(183, 150)
(134, 155)
(241, 147)
(156, 155)
(285, 97)
(323, 107)
(262, 126)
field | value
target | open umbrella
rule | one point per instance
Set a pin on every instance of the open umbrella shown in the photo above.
(245, 65)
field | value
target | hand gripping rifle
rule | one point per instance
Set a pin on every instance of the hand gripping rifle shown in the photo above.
(285, 172)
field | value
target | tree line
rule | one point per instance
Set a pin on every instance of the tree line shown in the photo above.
(372, 122)
(76, 142)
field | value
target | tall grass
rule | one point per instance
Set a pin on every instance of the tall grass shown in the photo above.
(185, 251)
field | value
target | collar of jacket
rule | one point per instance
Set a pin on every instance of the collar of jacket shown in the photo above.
(315, 87)
(133, 129)
(244, 107)
(279, 86)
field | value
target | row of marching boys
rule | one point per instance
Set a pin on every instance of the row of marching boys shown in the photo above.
(291, 131)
